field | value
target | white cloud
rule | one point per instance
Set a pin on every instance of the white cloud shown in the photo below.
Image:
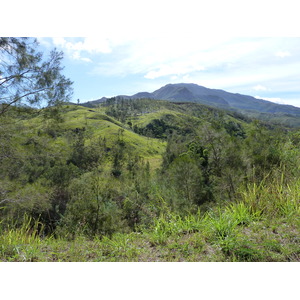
(174, 69)
(260, 87)
(174, 55)
(282, 54)
(86, 59)
(88, 46)
(76, 55)
(59, 41)
(273, 99)
(45, 42)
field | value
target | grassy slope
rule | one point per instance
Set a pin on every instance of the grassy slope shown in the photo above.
(97, 124)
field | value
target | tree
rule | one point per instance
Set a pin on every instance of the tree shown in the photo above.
(26, 78)
(187, 179)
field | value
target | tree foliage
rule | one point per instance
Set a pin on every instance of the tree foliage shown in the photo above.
(27, 78)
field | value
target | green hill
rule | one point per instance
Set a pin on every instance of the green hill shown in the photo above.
(147, 180)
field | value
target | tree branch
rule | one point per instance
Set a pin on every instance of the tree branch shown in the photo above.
(5, 106)
(6, 79)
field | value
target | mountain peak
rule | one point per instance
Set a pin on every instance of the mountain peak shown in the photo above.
(191, 92)
(185, 92)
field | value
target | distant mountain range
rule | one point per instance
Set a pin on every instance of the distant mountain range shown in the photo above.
(189, 92)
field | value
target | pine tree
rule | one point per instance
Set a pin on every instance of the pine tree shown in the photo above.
(26, 78)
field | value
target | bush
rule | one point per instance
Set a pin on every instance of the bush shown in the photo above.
(92, 209)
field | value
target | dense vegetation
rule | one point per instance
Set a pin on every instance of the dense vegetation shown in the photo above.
(147, 180)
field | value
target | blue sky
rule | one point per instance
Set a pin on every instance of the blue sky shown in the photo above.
(267, 68)
(248, 47)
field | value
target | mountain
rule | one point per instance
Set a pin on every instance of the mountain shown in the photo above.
(93, 102)
(189, 92)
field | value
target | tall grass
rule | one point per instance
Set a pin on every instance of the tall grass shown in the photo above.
(273, 198)
(21, 243)
(173, 225)
(288, 201)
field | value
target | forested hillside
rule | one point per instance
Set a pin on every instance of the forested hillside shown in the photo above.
(147, 180)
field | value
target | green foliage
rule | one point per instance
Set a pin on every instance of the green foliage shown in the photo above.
(27, 78)
(173, 226)
(92, 209)
(241, 250)
(89, 178)
(21, 243)
(18, 200)
(223, 225)
(241, 213)
(235, 129)
(184, 174)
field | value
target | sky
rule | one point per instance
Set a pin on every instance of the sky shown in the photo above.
(119, 47)
(266, 68)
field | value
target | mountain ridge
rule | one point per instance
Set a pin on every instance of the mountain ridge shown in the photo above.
(190, 92)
